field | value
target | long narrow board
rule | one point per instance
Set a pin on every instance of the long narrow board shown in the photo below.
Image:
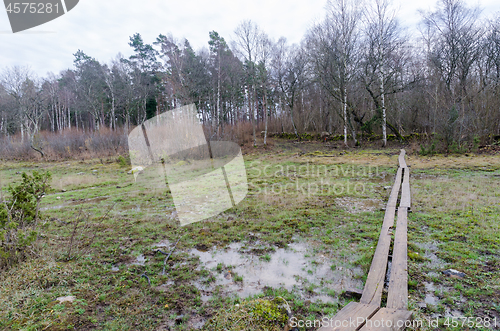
(393, 198)
(387, 319)
(402, 161)
(367, 315)
(350, 318)
(372, 293)
(397, 297)
(405, 190)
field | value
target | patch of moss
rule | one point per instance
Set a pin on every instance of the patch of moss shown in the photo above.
(259, 314)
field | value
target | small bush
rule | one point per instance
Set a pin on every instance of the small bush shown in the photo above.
(123, 162)
(428, 150)
(19, 217)
(476, 141)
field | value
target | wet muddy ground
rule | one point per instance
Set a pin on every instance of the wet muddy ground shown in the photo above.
(305, 248)
(292, 268)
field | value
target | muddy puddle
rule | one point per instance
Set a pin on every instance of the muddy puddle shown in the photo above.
(430, 298)
(434, 291)
(288, 268)
(433, 261)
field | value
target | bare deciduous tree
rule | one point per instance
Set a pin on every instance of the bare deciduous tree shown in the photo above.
(454, 50)
(334, 50)
(384, 57)
(248, 38)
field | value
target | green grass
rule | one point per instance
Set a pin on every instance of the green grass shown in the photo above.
(457, 210)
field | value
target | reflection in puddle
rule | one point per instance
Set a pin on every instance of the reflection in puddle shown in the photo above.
(288, 268)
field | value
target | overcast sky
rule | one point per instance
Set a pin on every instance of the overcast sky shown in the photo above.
(102, 28)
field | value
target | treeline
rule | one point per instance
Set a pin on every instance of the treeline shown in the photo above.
(356, 73)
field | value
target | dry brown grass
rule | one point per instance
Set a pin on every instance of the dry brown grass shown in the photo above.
(72, 181)
(390, 158)
(68, 144)
(449, 193)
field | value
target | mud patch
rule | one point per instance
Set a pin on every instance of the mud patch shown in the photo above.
(140, 260)
(75, 203)
(433, 262)
(91, 200)
(430, 298)
(357, 205)
(163, 243)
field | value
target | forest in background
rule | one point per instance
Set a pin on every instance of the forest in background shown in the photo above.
(356, 74)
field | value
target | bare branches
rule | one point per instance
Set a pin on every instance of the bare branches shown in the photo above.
(384, 56)
(84, 229)
(247, 40)
(336, 54)
(354, 70)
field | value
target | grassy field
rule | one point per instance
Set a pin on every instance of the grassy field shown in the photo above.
(305, 233)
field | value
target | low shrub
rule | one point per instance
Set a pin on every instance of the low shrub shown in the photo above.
(19, 216)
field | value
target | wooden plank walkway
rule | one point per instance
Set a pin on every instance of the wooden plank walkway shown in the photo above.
(372, 293)
(387, 319)
(397, 296)
(405, 193)
(351, 317)
(367, 314)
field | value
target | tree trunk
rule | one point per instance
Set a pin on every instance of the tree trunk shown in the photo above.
(69, 114)
(293, 123)
(253, 117)
(265, 117)
(384, 117)
(344, 108)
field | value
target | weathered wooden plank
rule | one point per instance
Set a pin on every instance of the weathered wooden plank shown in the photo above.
(402, 161)
(350, 318)
(405, 190)
(367, 315)
(372, 292)
(393, 197)
(397, 297)
(387, 319)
